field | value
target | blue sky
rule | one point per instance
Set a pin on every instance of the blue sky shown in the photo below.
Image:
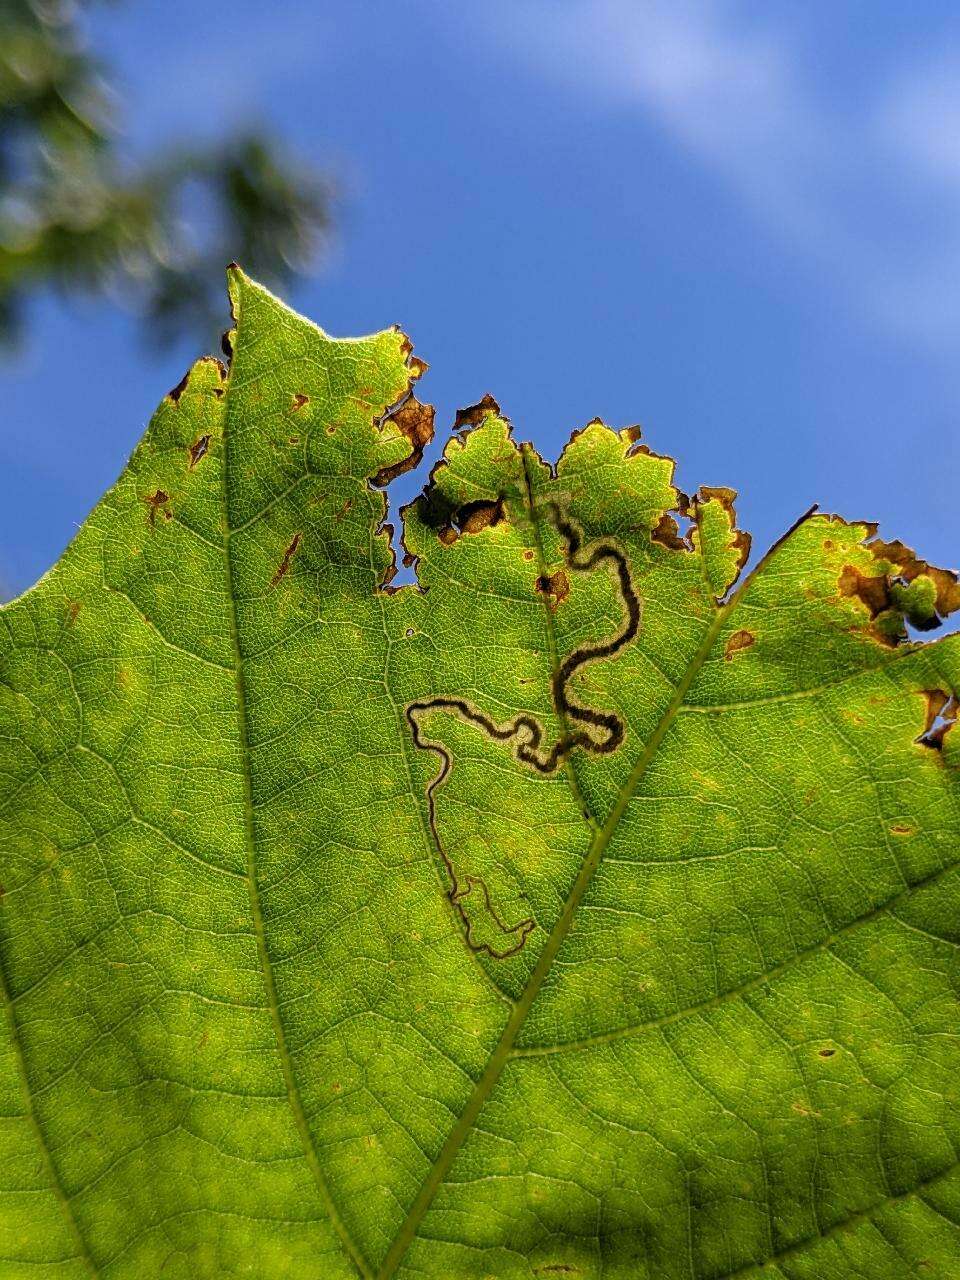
(736, 224)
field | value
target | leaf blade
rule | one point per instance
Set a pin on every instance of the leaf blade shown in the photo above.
(238, 944)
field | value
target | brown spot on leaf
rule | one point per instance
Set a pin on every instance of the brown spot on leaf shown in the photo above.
(940, 717)
(284, 566)
(936, 700)
(908, 566)
(802, 1110)
(415, 421)
(826, 1053)
(73, 608)
(299, 400)
(416, 366)
(905, 589)
(176, 392)
(739, 641)
(476, 516)
(198, 450)
(902, 829)
(556, 587)
(667, 533)
(874, 592)
(450, 521)
(474, 414)
(158, 501)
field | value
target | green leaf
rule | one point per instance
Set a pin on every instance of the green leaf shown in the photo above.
(573, 912)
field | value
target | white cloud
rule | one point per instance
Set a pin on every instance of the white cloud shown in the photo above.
(920, 119)
(870, 189)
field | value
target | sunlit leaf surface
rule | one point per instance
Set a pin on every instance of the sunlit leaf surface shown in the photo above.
(571, 912)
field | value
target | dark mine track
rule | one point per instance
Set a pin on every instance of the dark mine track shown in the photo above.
(526, 732)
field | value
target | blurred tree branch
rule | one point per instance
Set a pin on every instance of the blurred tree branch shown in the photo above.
(72, 215)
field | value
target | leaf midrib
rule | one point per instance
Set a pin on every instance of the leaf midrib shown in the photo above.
(598, 845)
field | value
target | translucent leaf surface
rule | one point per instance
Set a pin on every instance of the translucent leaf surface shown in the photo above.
(574, 912)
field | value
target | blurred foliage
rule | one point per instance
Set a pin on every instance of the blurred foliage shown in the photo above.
(73, 214)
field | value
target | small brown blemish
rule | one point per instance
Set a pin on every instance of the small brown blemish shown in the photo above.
(474, 414)
(299, 400)
(447, 535)
(667, 533)
(199, 450)
(936, 700)
(802, 1110)
(908, 566)
(284, 566)
(739, 641)
(180, 388)
(873, 592)
(415, 421)
(73, 608)
(826, 1053)
(528, 555)
(940, 717)
(476, 516)
(158, 501)
(902, 829)
(556, 587)
(416, 366)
